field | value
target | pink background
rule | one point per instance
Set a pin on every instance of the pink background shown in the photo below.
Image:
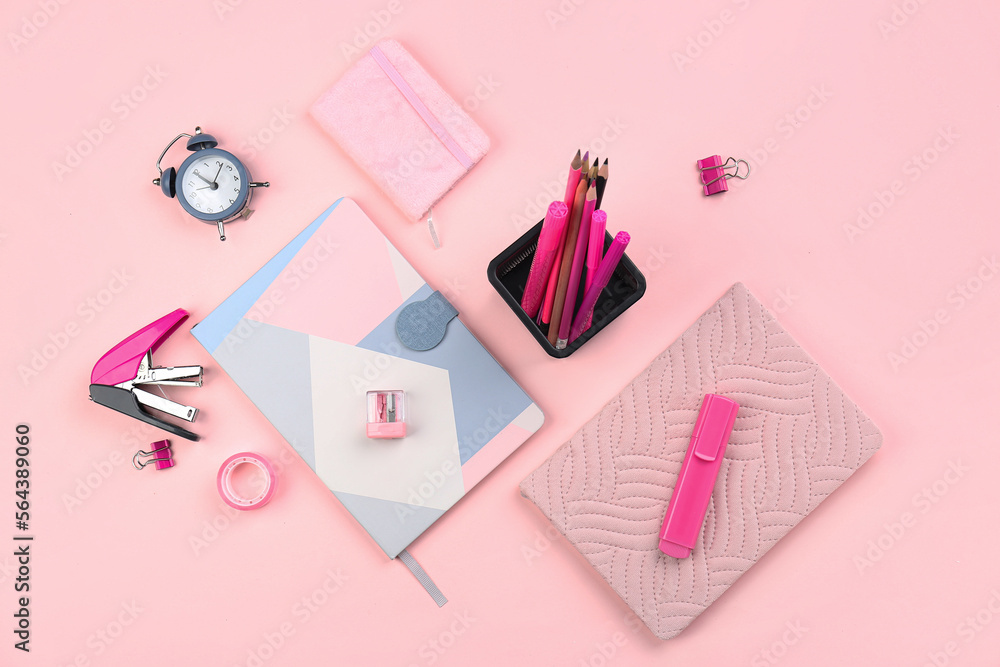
(831, 102)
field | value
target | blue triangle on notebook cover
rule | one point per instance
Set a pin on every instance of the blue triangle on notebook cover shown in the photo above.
(212, 330)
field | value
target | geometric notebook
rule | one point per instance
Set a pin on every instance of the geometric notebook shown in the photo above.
(797, 437)
(309, 334)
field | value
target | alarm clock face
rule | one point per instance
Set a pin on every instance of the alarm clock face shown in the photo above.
(212, 185)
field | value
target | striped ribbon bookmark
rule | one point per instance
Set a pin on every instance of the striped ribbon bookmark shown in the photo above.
(414, 567)
(430, 227)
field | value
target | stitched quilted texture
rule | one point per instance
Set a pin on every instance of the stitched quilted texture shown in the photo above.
(797, 437)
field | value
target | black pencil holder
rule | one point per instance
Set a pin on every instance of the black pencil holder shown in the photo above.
(508, 273)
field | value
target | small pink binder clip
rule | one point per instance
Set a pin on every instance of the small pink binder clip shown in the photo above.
(688, 504)
(160, 454)
(714, 174)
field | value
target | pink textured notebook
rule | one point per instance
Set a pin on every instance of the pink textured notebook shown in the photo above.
(401, 127)
(797, 437)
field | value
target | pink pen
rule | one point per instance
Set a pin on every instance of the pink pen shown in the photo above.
(603, 275)
(548, 244)
(688, 504)
(595, 247)
(576, 270)
(545, 313)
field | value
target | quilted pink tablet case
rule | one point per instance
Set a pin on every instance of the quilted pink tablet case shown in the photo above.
(797, 438)
(400, 126)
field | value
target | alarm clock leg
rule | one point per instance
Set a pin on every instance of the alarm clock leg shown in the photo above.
(222, 231)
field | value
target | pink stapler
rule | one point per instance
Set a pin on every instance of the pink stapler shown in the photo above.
(118, 376)
(686, 511)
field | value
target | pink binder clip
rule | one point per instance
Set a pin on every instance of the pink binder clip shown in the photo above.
(688, 504)
(160, 454)
(714, 174)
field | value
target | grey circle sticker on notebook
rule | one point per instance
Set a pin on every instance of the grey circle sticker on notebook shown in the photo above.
(422, 325)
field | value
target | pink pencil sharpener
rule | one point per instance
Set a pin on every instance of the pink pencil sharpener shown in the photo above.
(386, 414)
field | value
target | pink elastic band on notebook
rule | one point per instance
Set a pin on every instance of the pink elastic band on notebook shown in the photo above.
(436, 127)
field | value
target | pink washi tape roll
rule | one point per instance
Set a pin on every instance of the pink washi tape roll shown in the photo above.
(225, 481)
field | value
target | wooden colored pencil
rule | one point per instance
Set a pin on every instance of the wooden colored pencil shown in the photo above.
(576, 273)
(575, 169)
(575, 173)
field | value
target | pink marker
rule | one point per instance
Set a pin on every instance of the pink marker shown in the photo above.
(688, 504)
(603, 276)
(545, 252)
(595, 247)
(576, 269)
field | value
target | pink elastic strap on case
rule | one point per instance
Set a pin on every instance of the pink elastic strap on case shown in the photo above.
(432, 122)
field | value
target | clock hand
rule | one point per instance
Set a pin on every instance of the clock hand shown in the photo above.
(203, 178)
(214, 184)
